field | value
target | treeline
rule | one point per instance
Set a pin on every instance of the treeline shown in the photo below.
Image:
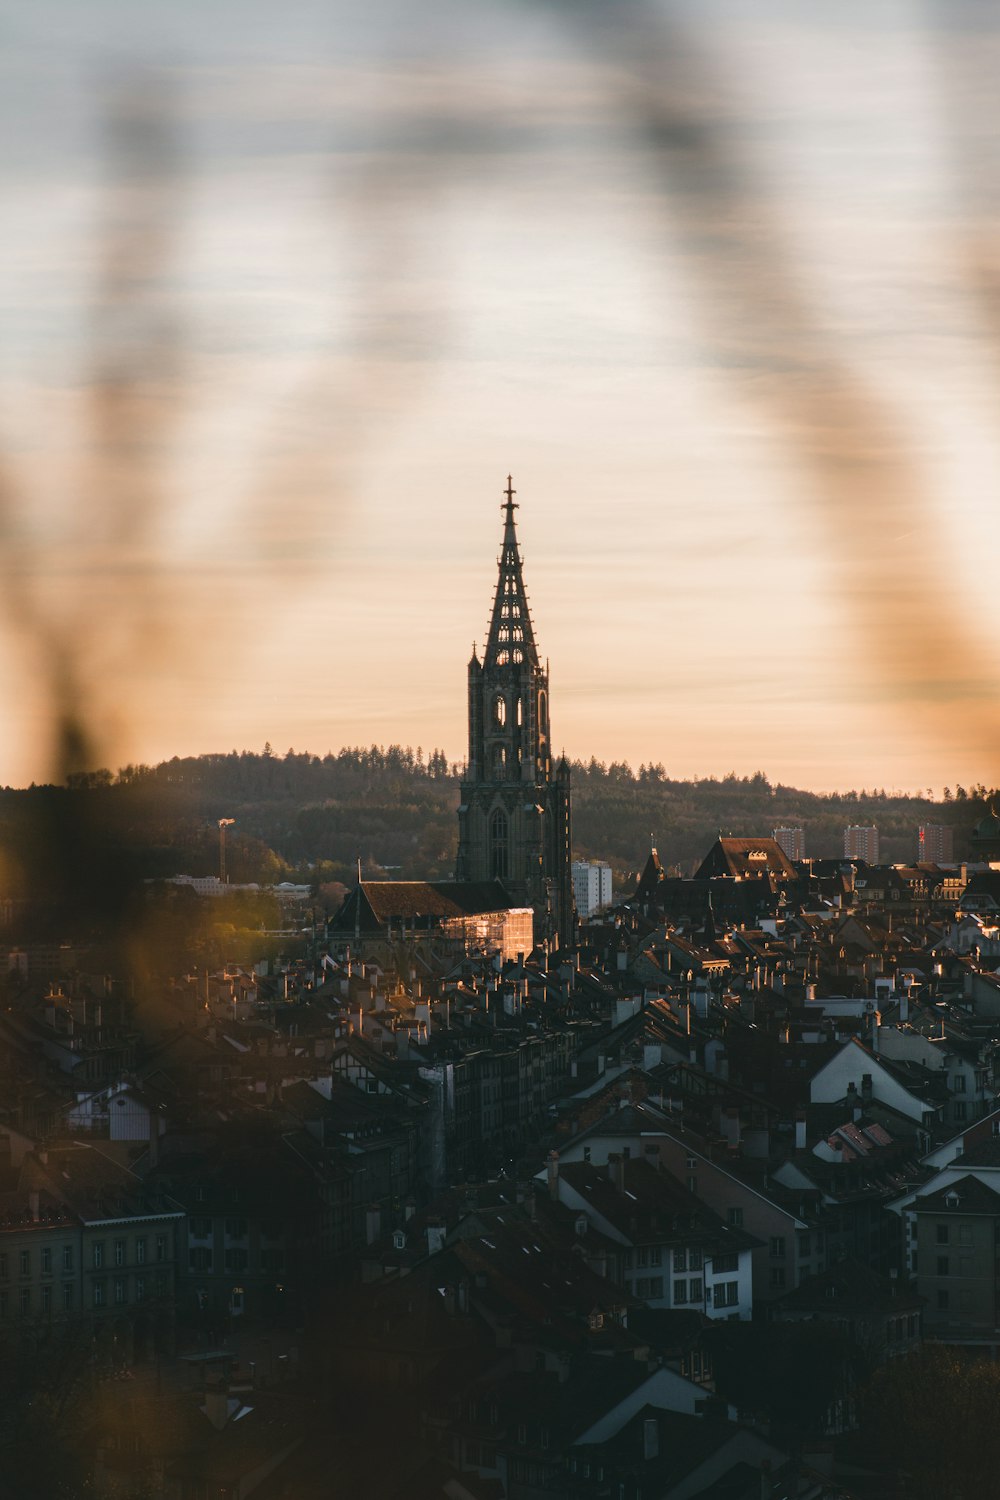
(306, 817)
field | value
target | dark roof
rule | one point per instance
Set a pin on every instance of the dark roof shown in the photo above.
(384, 901)
(743, 857)
(654, 1208)
(974, 1197)
(848, 1288)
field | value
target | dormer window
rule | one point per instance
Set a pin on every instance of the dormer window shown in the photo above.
(951, 1200)
(399, 1239)
(581, 1224)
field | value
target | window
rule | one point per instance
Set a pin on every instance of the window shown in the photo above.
(656, 1286)
(727, 1294)
(201, 1229)
(777, 1278)
(695, 1290)
(777, 1247)
(236, 1260)
(98, 1293)
(200, 1259)
(46, 1261)
(119, 1252)
(499, 710)
(140, 1251)
(236, 1229)
(140, 1288)
(942, 1234)
(68, 1297)
(723, 1263)
(942, 1265)
(97, 1255)
(655, 1255)
(161, 1247)
(498, 844)
(680, 1260)
(46, 1299)
(25, 1300)
(680, 1292)
(25, 1262)
(805, 1246)
(67, 1259)
(694, 1260)
(735, 1217)
(119, 1290)
(959, 1109)
(965, 1234)
(959, 1083)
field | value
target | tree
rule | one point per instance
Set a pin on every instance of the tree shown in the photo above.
(933, 1416)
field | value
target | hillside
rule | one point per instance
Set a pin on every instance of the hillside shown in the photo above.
(301, 816)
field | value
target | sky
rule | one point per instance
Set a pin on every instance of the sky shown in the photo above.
(290, 290)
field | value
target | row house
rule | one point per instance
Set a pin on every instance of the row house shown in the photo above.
(675, 1252)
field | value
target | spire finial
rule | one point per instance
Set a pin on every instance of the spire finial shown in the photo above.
(510, 505)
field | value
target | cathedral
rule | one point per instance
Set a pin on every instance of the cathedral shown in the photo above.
(514, 817)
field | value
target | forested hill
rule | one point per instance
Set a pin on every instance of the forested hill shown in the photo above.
(310, 817)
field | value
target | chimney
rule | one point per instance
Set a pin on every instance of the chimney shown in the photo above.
(731, 1128)
(650, 1439)
(616, 1171)
(373, 1223)
(904, 1006)
(217, 1405)
(867, 1090)
(435, 1232)
(854, 1103)
(552, 1175)
(800, 1131)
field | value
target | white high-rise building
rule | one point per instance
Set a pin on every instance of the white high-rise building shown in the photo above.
(591, 887)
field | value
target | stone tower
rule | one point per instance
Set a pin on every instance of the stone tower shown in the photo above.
(514, 819)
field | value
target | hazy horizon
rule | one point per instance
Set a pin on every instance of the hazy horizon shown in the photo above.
(290, 294)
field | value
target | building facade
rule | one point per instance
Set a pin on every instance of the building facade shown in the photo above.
(936, 843)
(791, 840)
(591, 887)
(514, 817)
(861, 842)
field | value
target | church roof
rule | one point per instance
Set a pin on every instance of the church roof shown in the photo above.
(426, 901)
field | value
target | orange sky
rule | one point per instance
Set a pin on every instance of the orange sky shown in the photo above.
(292, 291)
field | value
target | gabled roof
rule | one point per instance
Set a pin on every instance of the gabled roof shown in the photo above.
(849, 1288)
(373, 904)
(743, 858)
(965, 1195)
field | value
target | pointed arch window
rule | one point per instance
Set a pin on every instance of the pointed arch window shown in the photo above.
(500, 710)
(499, 844)
(499, 762)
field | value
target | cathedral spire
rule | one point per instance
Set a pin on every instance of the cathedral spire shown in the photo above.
(511, 639)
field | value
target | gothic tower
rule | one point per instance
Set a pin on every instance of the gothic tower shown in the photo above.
(514, 819)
